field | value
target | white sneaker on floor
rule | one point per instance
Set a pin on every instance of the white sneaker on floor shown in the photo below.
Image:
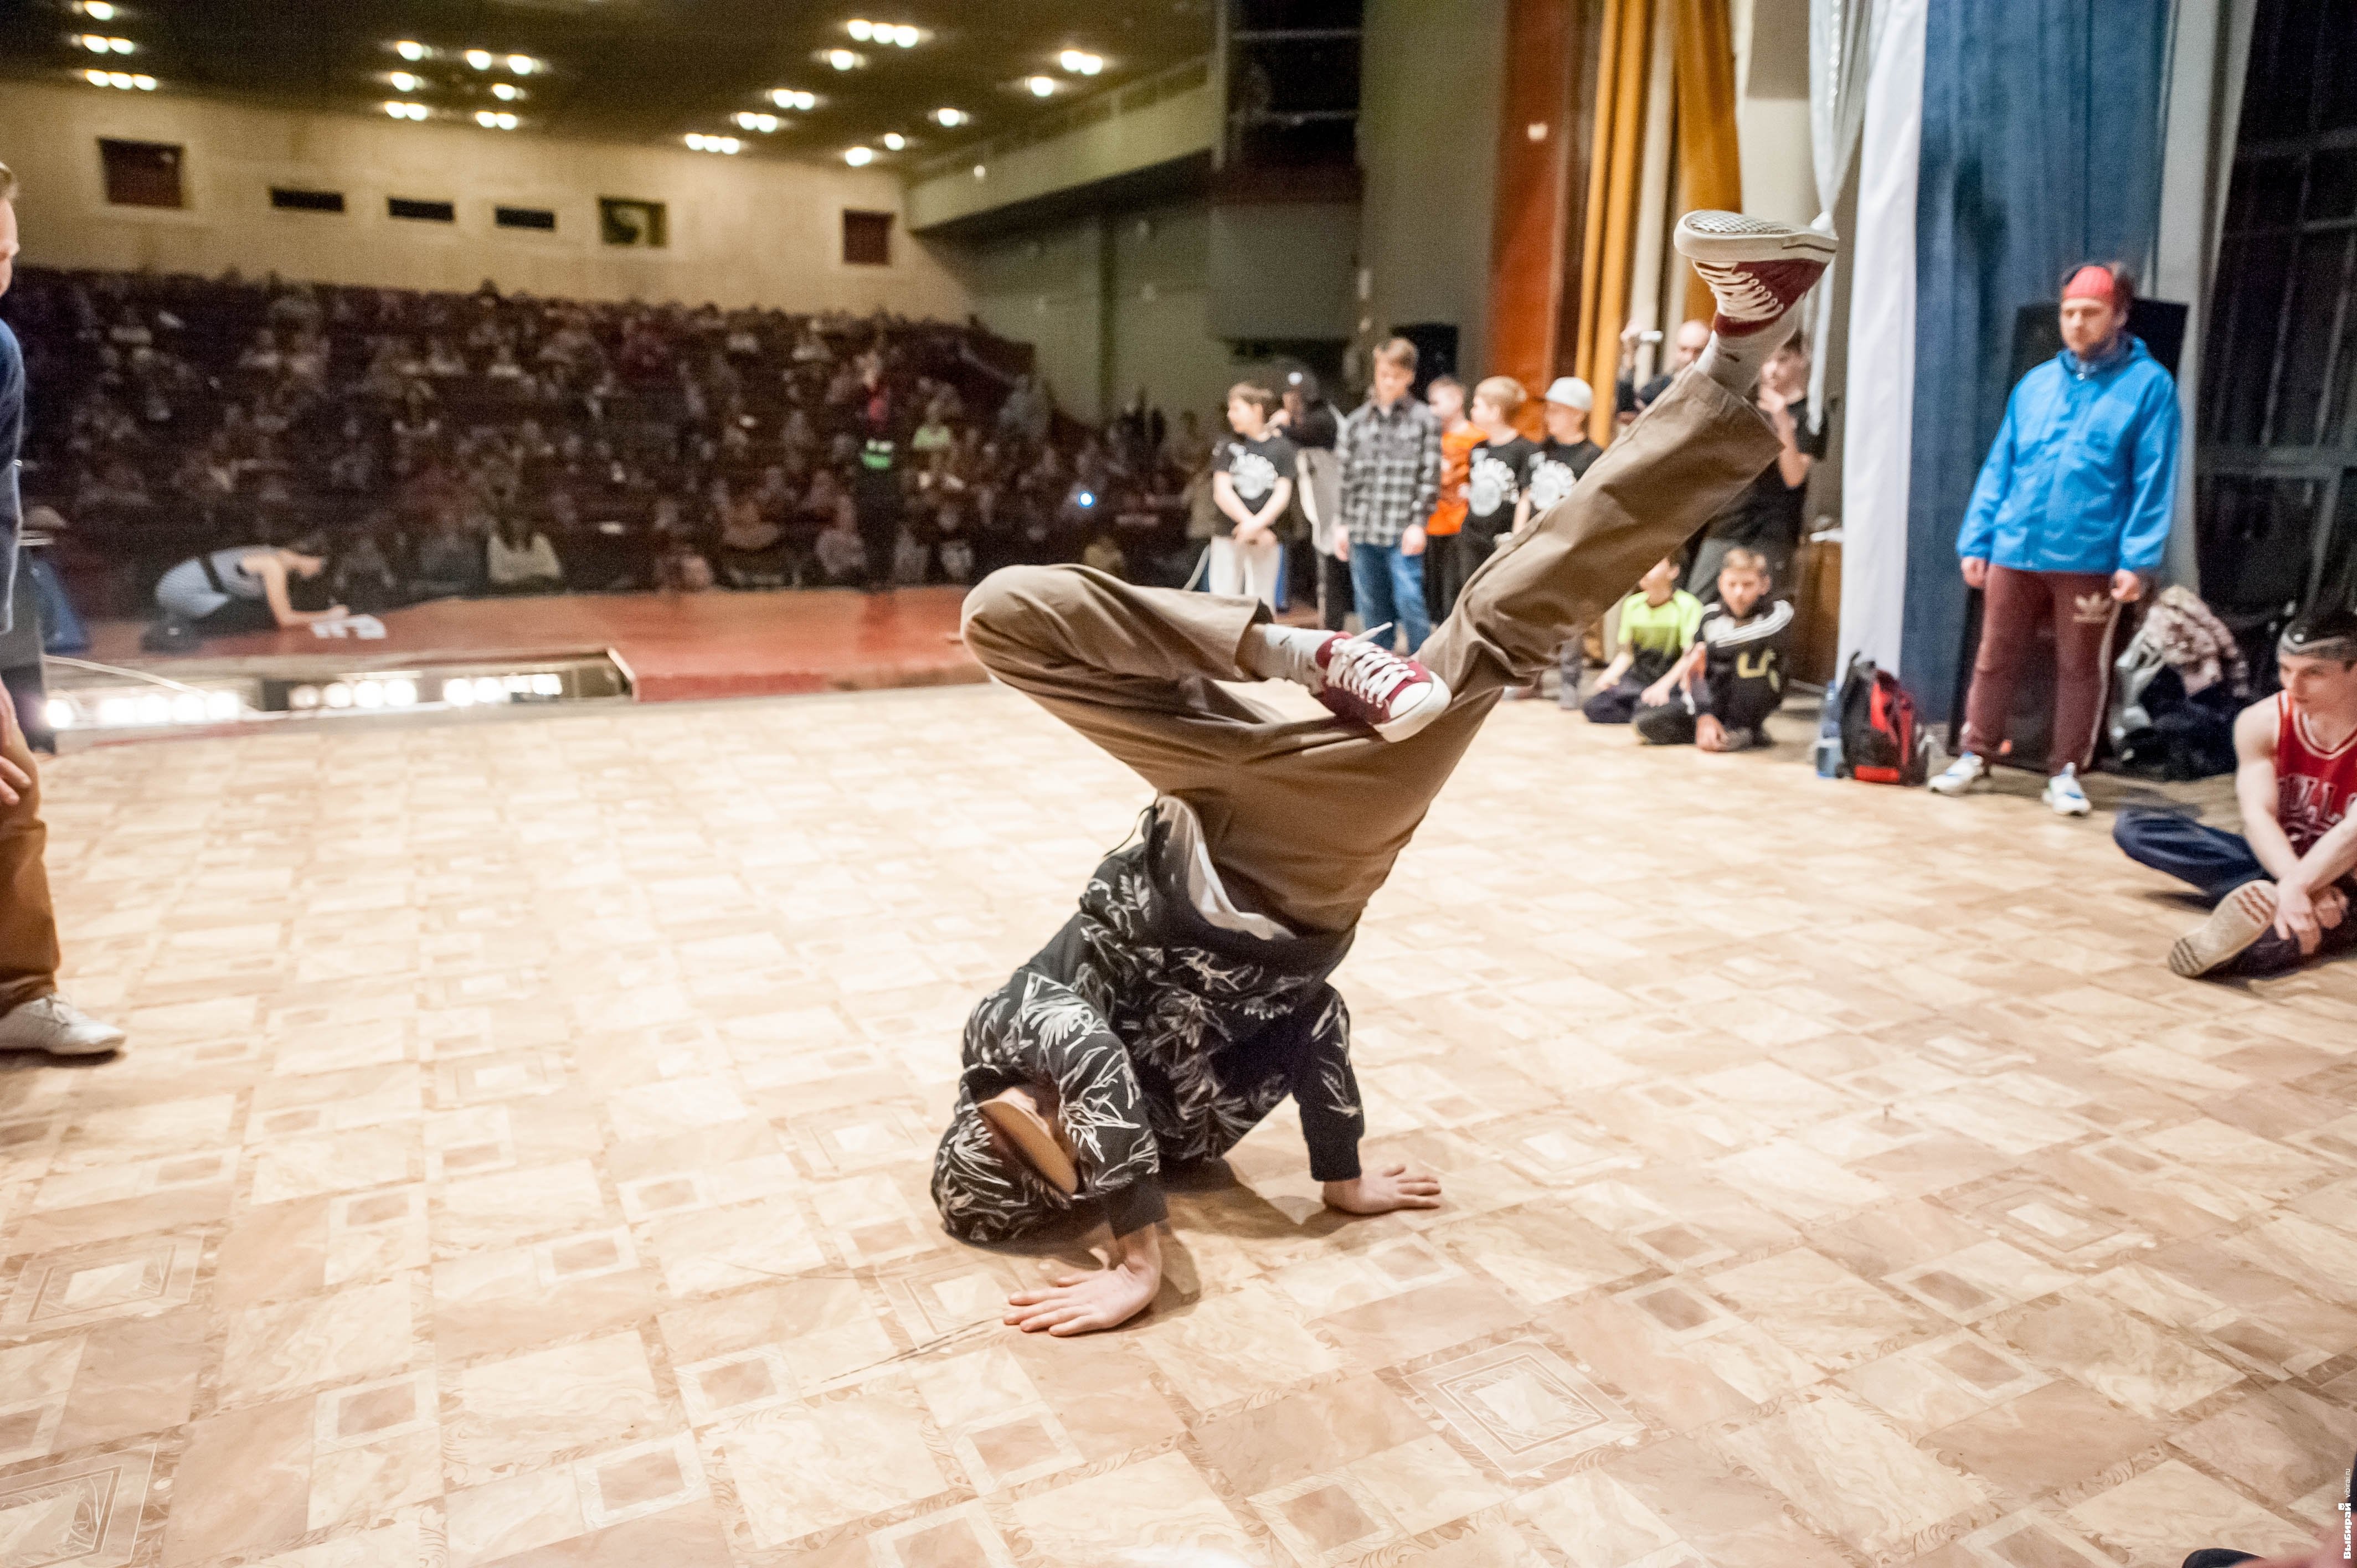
(1392, 694)
(1961, 775)
(54, 1025)
(2063, 795)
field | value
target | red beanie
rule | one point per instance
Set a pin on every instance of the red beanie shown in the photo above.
(2093, 282)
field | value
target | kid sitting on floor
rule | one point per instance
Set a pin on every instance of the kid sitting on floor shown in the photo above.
(1721, 691)
(1657, 625)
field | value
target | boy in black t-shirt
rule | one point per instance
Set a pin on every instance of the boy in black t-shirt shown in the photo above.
(1252, 481)
(1564, 454)
(1726, 685)
(1495, 471)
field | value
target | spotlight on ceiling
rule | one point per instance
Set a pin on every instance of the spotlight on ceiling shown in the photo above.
(1080, 63)
(480, 58)
(951, 119)
(98, 10)
(861, 29)
(144, 83)
(411, 49)
(400, 110)
(99, 44)
(402, 81)
(792, 98)
(845, 59)
(522, 65)
(905, 35)
(859, 157)
(501, 121)
(506, 92)
(698, 141)
(894, 141)
(121, 78)
(1041, 86)
(747, 121)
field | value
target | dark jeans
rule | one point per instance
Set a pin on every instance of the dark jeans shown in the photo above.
(1335, 600)
(1617, 703)
(1448, 562)
(2214, 863)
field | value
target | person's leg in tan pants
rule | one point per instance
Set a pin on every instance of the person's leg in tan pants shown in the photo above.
(33, 1016)
(28, 929)
(1306, 816)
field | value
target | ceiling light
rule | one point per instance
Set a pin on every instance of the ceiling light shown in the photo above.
(905, 35)
(98, 10)
(859, 157)
(480, 58)
(845, 60)
(1041, 86)
(97, 45)
(522, 65)
(121, 45)
(144, 84)
(951, 119)
(506, 92)
(400, 110)
(1080, 63)
(508, 121)
(121, 79)
(502, 120)
(696, 141)
(861, 29)
(791, 98)
(747, 121)
(95, 78)
(405, 82)
(894, 141)
(410, 49)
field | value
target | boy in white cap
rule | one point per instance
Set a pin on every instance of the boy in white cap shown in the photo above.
(1564, 454)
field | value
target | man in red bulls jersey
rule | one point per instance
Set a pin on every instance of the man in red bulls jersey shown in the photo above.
(2283, 888)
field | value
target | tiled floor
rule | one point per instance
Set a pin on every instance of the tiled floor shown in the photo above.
(523, 1157)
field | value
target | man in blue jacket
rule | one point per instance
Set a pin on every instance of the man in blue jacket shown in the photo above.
(33, 1016)
(2069, 518)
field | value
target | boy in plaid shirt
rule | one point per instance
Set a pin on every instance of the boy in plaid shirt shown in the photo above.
(1390, 480)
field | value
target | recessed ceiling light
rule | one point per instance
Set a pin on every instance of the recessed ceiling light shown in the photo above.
(410, 49)
(1080, 63)
(894, 141)
(951, 119)
(400, 110)
(522, 65)
(98, 10)
(95, 78)
(502, 120)
(480, 58)
(1041, 86)
(144, 84)
(506, 92)
(860, 28)
(859, 157)
(121, 79)
(748, 120)
(791, 98)
(845, 59)
(405, 82)
(905, 35)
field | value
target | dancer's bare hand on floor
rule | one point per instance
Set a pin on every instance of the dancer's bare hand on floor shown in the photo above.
(1380, 1192)
(1083, 1304)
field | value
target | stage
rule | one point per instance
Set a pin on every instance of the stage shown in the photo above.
(674, 646)
(521, 1162)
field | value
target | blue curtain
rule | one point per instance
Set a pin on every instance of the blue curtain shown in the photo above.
(2041, 147)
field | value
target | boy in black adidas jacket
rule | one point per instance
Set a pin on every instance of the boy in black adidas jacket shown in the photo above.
(1722, 690)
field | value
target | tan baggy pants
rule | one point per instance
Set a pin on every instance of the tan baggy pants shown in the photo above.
(1309, 816)
(29, 928)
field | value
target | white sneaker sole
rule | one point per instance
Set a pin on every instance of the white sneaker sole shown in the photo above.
(1729, 237)
(1430, 706)
(2241, 918)
(1941, 786)
(2068, 807)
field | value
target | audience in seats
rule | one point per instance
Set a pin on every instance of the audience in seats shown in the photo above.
(460, 443)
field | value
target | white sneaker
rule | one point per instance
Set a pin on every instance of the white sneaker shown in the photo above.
(1961, 775)
(54, 1025)
(2064, 796)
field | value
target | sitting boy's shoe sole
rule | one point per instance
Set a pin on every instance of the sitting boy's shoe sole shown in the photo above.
(2241, 918)
(1033, 1138)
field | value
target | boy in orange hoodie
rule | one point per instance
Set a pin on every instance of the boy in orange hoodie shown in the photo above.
(1446, 562)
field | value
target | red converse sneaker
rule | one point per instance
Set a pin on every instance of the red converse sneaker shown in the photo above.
(1394, 696)
(1757, 270)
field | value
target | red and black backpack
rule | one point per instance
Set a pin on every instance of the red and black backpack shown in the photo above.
(1882, 741)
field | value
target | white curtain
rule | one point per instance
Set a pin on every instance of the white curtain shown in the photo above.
(1878, 430)
(1841, 51)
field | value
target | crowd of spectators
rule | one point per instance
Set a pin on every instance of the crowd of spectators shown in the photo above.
(443, 444)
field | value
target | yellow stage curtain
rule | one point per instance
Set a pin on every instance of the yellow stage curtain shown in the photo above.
(1710, 170)
(1616, 157)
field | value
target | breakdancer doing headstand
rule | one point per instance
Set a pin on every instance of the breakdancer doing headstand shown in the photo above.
(1188, 997)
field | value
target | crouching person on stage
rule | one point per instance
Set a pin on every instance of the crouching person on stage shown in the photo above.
(1189, 998)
